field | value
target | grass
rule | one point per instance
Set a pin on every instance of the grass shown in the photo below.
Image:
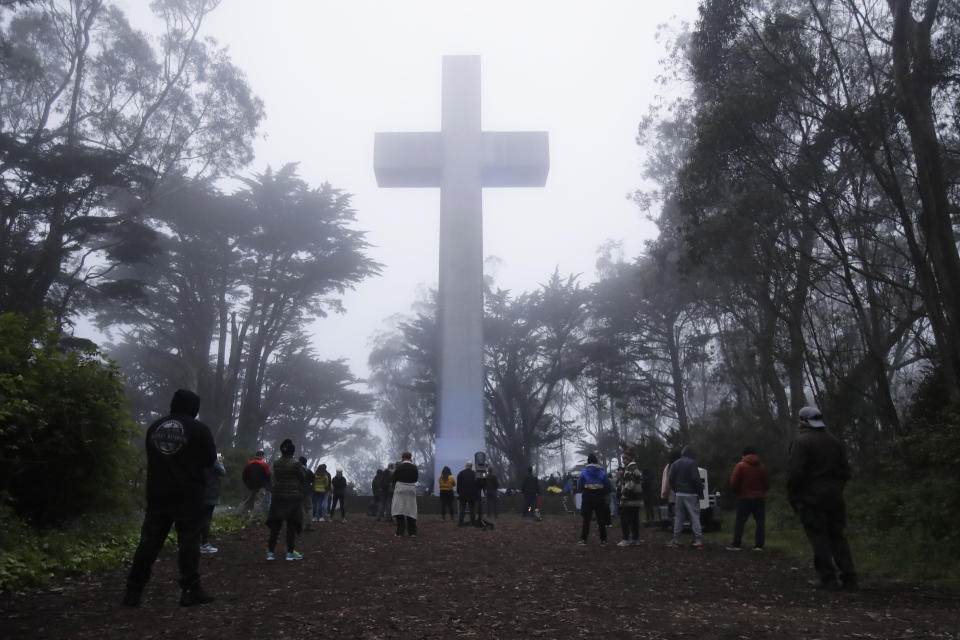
(32, 557)
(899, 555)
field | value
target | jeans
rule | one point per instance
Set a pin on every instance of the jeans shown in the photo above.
(745, 508)
(688, 507)
(188, 520)
(319, 504)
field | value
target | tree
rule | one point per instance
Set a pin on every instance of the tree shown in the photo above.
(62, 422)
(531, 348)
(785, 180)
(403, 366)
(222, 307)
(301, 251)
(310, 401)
(92, 116)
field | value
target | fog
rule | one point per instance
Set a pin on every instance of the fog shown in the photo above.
(332, 74)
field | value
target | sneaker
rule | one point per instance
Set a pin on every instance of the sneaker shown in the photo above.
(758, 548)
(673, 544)
(624, 543)
(603, 543)
(208, 548)
(132, 598)
(195, 595)
(270, 556)
(697, 545)
(294, 555)
(581, 543)
(733, 547)
(342, 520)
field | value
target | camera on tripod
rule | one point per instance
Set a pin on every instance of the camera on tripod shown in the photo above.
(480, 464)
(482, 470)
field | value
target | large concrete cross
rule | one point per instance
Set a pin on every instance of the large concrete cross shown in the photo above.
(461, 159)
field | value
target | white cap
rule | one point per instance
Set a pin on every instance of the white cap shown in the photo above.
(812, 416)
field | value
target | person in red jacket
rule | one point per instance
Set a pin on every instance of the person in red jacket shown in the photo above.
(256, 477)
(751, 483)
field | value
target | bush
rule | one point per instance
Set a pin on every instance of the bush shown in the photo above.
(64, 430)
(918, 488)
(31, 557)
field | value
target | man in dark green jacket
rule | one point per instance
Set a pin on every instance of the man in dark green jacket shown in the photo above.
(817, 471)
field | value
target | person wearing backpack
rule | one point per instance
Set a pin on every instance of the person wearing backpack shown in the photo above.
(256, 477)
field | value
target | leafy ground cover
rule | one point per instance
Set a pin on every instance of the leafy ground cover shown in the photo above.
(524, 579)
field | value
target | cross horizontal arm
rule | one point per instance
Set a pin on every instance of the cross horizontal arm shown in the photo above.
(408, 159)
(510, 159)
(515, 158)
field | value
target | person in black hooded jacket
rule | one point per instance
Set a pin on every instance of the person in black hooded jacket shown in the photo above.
(179, 447)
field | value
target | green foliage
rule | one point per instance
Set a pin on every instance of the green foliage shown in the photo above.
(915, 493)
(64, 431)
(31, 557)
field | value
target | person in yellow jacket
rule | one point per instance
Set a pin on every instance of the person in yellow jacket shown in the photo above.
(446, 482)
(321, 487)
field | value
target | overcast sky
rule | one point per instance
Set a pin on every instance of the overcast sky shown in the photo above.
(332, 73)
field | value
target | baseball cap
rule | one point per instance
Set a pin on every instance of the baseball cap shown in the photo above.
(812, 416)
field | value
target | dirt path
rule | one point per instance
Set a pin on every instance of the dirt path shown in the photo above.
(523, 580)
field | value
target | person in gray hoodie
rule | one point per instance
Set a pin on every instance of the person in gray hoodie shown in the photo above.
(686, 483)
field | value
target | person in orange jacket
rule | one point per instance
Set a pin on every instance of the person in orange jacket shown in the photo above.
(750, 482)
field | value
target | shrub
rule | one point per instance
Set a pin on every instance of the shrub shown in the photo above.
(64, 431)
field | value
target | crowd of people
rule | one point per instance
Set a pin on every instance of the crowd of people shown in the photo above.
(184, 472)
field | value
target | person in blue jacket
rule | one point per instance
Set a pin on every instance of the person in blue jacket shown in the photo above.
(594, 485)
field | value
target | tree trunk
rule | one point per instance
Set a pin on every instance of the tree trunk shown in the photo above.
(915, 76)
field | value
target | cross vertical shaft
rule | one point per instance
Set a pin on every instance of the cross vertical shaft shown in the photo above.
(461, 159)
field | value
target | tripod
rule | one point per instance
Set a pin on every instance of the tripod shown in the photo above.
(481, 488)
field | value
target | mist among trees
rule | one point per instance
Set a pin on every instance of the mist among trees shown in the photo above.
(804, 185)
